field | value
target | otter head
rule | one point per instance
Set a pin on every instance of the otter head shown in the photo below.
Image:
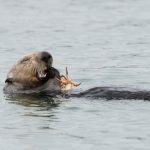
(32, 71)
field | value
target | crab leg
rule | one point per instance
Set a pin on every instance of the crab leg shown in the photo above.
(75, 84)
(64, 80)
(67, 73)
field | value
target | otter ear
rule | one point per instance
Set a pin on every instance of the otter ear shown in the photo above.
(8, 80)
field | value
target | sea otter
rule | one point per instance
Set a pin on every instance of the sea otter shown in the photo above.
(34, 72)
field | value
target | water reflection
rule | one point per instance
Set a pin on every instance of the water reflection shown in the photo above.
(34, 100)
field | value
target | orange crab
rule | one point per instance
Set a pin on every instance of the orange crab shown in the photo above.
(65, 83)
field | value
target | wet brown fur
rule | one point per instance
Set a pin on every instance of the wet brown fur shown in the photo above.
(25, 71)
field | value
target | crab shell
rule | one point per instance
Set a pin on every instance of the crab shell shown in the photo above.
(67, 87)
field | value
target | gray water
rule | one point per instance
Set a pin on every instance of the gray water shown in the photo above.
(103, 43)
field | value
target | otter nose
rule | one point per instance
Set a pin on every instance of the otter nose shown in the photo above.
(45, 56)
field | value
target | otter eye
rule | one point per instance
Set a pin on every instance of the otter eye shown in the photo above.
(45, 56)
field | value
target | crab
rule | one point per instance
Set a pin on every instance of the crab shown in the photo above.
(66, 84)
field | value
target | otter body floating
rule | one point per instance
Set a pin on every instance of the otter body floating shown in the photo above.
(117, 93)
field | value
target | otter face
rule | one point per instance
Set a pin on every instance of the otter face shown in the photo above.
(44, 65)
(32, 71)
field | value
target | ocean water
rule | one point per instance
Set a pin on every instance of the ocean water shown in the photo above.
(103, 43)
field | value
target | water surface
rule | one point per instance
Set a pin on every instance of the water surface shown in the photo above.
(103, 43)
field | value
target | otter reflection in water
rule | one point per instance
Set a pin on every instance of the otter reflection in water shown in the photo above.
(34, 73)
